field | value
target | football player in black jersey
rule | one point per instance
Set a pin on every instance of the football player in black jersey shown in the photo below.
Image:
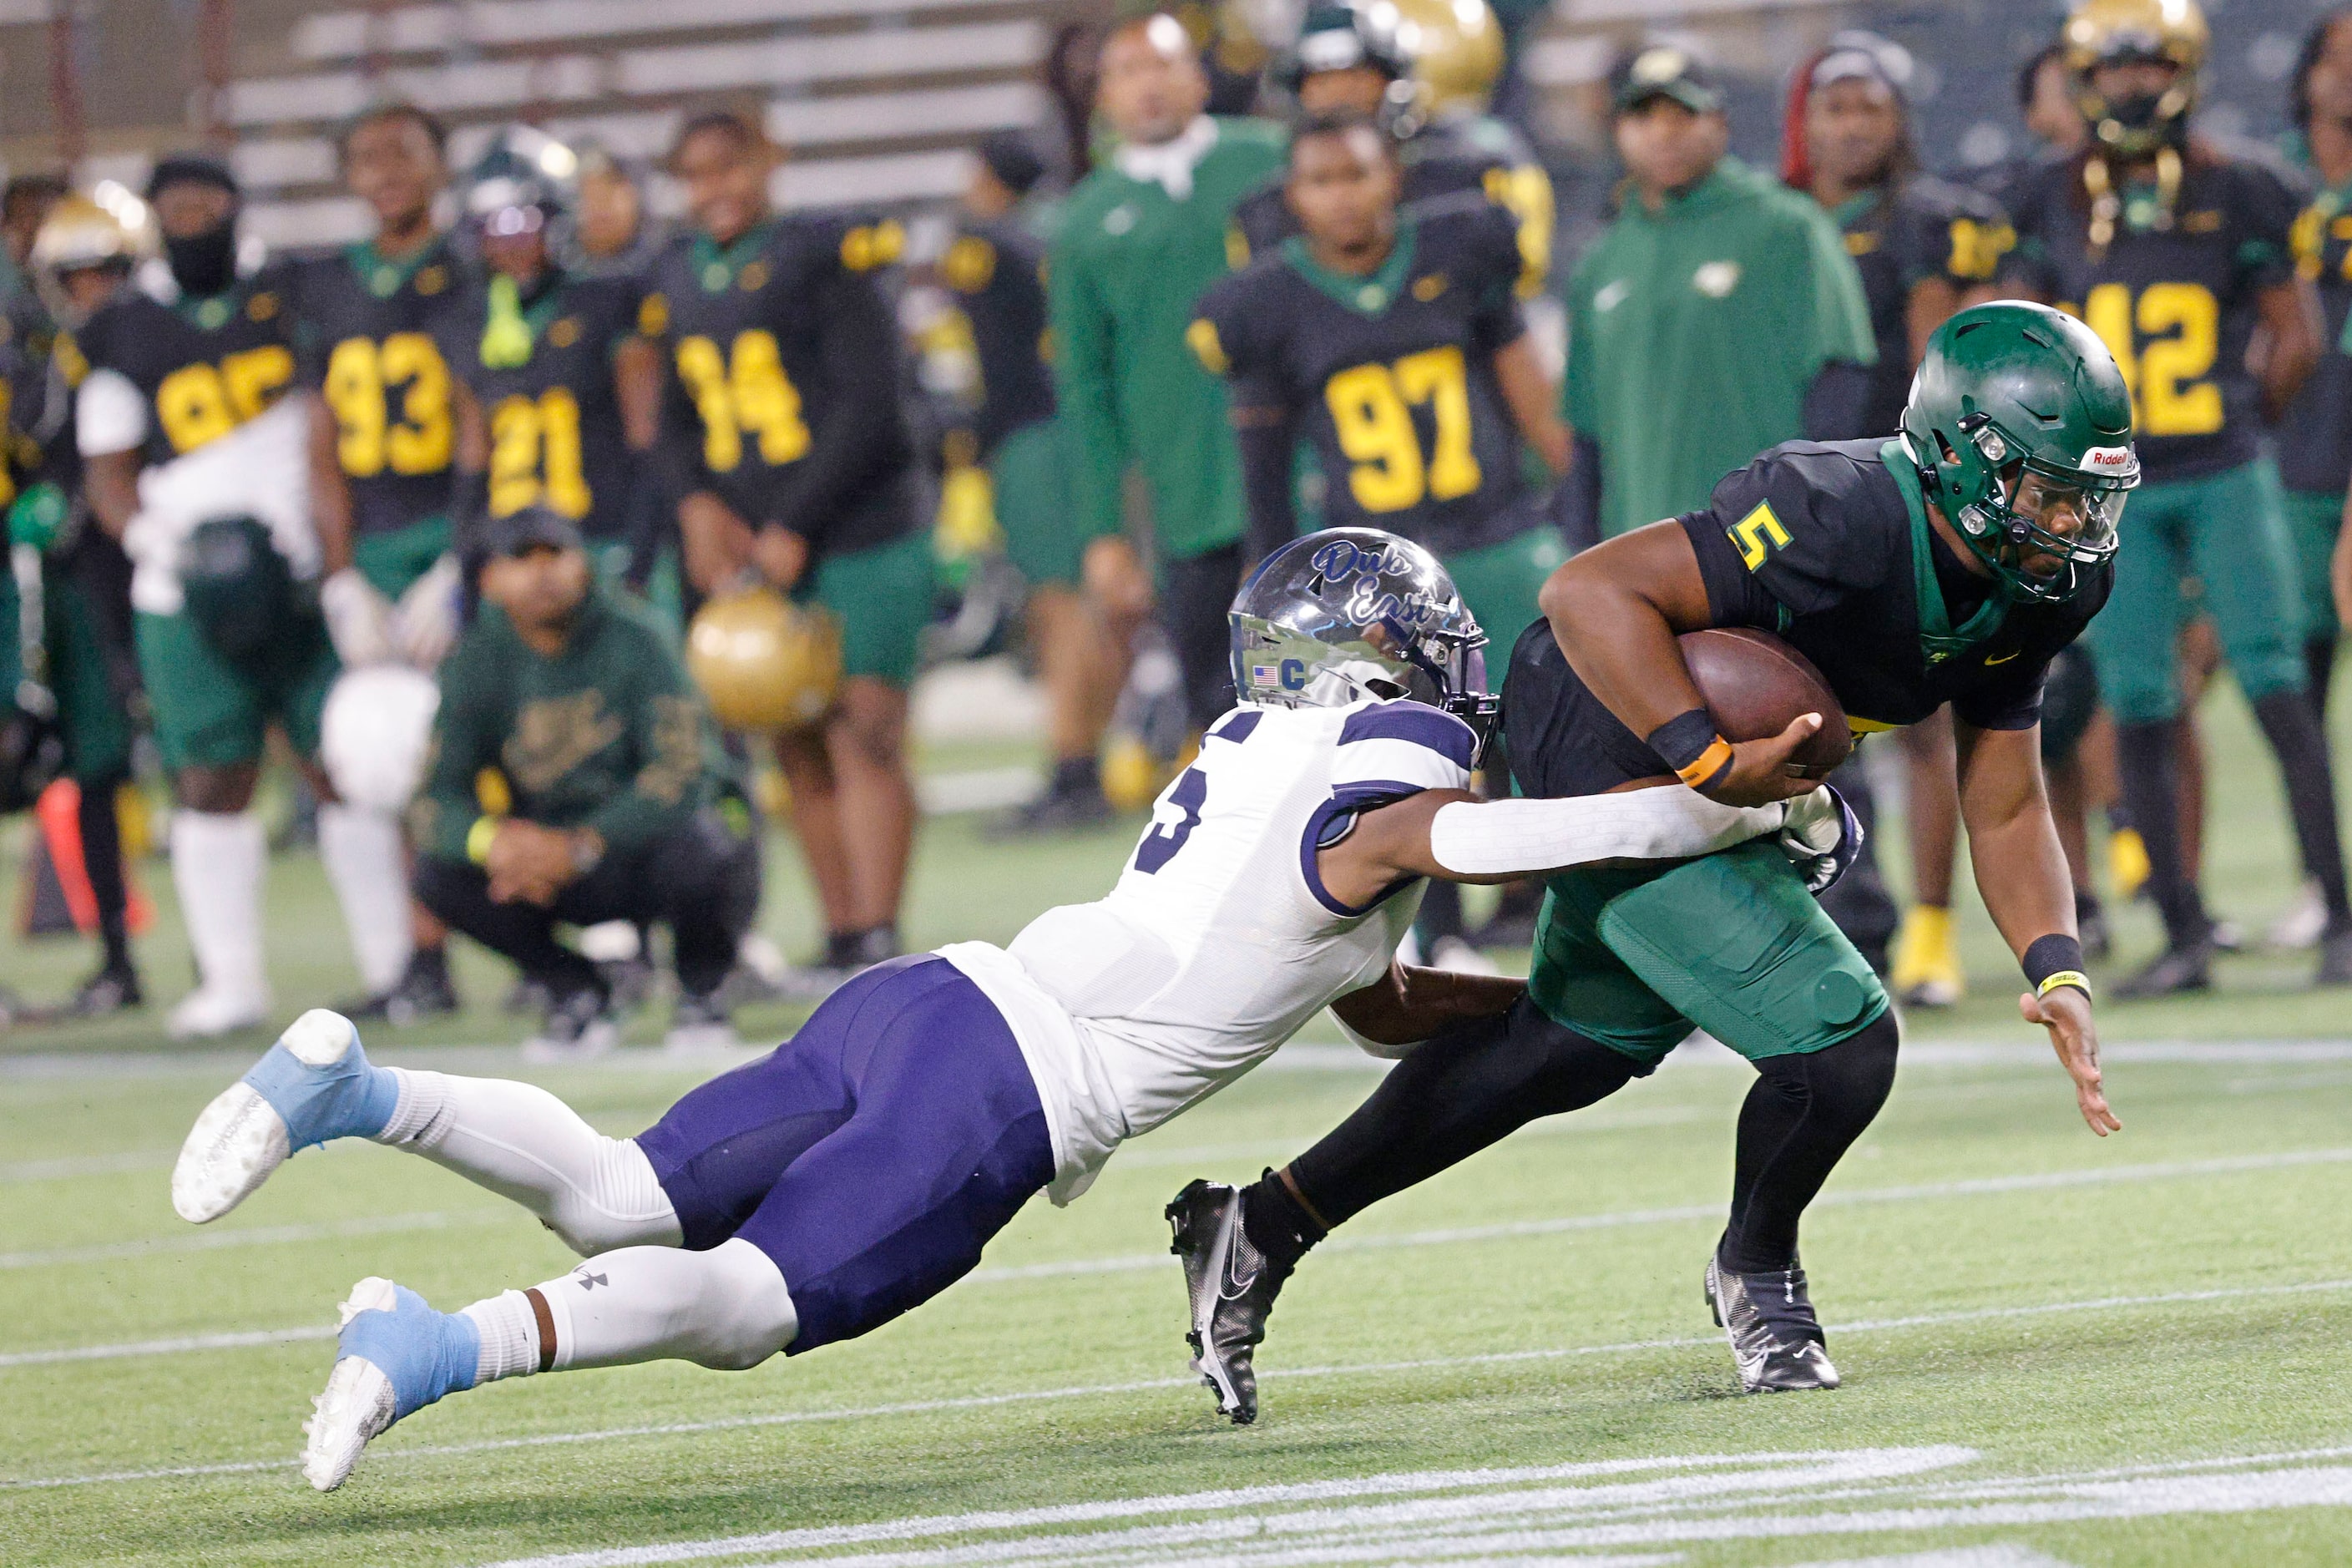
(1924, 248)
(368, 317)
(2179, 257)
(1948, 565)
(2315, 439)
(559, 396)
(1351, 59)
(193, 457)
(784, 431)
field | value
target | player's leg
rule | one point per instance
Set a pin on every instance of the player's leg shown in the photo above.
(880, 597)
(1081, 661)
(95, 722)
(704, 883)
(2070, 706)
(2243, 554)
(857, 1172)
(578, 1021)
(1197, 591)
(2133, 644)
(2312, 521)
(1734, 943)
(209, 724)
(1927, 971)
(1446, 1100)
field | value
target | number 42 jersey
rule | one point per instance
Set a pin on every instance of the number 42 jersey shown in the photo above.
(1220, 940)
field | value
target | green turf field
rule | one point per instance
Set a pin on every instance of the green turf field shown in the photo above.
(2056, 1348)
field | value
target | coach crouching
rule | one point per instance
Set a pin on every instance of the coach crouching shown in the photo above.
(575, 778)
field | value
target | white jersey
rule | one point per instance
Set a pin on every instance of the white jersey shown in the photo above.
(1220, 941)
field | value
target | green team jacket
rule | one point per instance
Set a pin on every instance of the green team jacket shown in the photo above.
(609, 734)
(1694, 332)
(1126, 267)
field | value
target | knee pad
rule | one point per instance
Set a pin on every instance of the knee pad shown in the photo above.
(616, 1201)
(747, 1314)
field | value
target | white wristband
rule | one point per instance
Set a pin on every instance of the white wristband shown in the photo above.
(1515, 837)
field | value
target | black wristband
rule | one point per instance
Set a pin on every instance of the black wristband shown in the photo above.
(1684, 739)
(2056, 953)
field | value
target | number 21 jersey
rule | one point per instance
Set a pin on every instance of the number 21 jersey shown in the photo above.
(2176, 302)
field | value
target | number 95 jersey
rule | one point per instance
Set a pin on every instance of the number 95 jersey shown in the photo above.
(1220, 940)
(2176, 300)
(167, 378)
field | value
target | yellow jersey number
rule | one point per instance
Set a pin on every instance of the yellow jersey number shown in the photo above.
(535, 454)
(200, 402)
(2165, 341)
(361, 374)
(745, 389)
(1525, 192)
(1371, 407)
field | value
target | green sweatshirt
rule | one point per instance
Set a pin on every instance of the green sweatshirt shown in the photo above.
(1127, 266)
(608, 734)
(1694, 332)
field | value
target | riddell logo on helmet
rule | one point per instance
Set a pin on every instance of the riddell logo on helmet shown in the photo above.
(2107, 461)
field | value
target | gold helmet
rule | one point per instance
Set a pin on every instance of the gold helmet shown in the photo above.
(764, 663)
(80, 233)
(1457, 49)
(2101, 32)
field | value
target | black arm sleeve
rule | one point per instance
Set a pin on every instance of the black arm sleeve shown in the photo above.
(862, 430)
(1267, 449)
(1837, 403)
(1577, 500)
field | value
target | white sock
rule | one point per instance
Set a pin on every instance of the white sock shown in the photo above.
(727, 1308)
(363, 856)
(217, 860)
(509, 1336)
(523, 1143)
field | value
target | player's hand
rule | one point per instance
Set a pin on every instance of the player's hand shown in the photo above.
(424, 621)
(359, 619)
(1759, 769)
(526, 863)
(2066, 1013)
(1115, 580)
(2340, 570)
(780, 555)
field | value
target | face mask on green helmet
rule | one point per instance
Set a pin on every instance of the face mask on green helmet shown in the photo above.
(2021, 427)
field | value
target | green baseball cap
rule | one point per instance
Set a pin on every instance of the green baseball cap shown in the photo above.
(1663, 71)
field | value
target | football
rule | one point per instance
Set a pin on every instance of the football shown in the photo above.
(1754, 686)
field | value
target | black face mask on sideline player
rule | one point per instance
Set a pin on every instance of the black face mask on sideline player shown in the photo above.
(204, 263)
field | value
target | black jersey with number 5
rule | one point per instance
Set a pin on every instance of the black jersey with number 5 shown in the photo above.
(202, 366)
(1828, 545)
(368, 328)
(783, 368)
(556, 436)
(2174, 297)
(1391, 376)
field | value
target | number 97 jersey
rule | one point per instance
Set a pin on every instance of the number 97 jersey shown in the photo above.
(2175, 296)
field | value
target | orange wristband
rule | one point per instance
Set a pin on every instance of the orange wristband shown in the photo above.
(1712, 764)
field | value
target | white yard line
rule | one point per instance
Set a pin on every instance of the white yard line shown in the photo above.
(259, 1236)
(181, 1346)
(1055, 1395)
(73, 1166)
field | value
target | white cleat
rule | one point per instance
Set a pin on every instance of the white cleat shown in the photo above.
(242, 1137)
(209, 1011)
(357, 1405)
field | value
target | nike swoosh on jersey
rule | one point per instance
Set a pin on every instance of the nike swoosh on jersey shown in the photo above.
(2004, 658)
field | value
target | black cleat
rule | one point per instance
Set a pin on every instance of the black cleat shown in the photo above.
(1233, 1287)
(2174, 971)
(2335, 955)
(1057, 811)
(1776, 1339)
(110, 990)
(425, 989)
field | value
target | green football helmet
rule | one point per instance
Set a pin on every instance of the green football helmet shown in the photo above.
(2018, 418)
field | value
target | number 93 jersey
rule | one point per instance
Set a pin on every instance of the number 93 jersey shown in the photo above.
(552, 403)
(1392, 374)
(368, 329)
(2175, 301)
(1220, 940)
(758, 334)
(198, 368)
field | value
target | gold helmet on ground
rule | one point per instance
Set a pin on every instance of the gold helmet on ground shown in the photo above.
(764, 663)
(1457, 49)
(2107, 32)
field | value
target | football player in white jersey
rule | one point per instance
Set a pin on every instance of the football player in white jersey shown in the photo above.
(858, 1170)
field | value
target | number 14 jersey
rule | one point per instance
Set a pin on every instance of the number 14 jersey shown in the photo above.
(2174, 297)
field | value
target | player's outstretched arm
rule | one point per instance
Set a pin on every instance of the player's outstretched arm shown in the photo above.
(2022, 872)
(1458, 837)
(1616, 610)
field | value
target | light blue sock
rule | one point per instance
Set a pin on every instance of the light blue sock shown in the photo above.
(347, 1100)
(425, 1353)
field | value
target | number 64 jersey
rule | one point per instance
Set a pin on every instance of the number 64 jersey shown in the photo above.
(1220, 940)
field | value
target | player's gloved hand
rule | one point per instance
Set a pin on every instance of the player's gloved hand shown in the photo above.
(359, 619)
(1822, 836)
(2066, 1013)
(37, 516)
(780, 555)
(1759, 769)
(425, 622)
